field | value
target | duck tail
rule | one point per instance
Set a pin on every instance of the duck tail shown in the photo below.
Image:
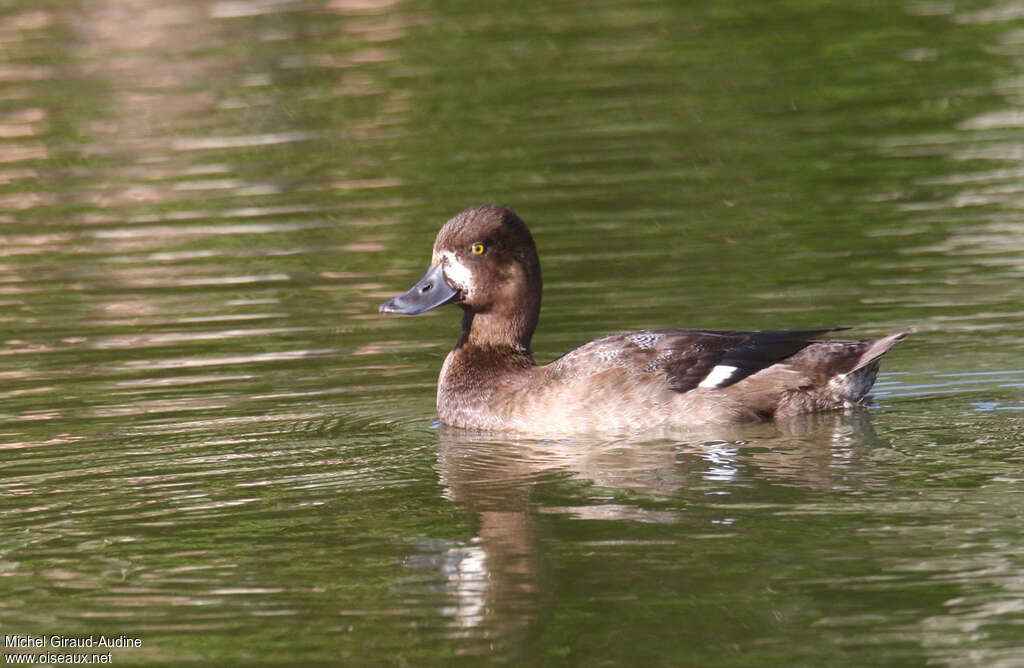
(878, 348)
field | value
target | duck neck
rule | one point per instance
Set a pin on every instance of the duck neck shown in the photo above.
(502, 328)
(501, 332)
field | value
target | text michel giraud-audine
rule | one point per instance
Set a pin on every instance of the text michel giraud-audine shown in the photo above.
(68, 642)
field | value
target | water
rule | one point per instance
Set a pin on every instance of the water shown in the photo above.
(212, 443)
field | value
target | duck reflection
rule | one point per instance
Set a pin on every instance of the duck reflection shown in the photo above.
(496, 577)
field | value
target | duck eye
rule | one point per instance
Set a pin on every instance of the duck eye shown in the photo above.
(477, 248)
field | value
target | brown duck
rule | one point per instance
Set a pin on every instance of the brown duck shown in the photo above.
(485, 261)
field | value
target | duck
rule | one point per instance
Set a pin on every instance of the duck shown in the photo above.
(485, 261)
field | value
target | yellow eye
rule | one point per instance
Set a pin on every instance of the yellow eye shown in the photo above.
(477, 248)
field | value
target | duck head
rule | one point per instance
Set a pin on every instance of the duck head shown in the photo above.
(484, 260)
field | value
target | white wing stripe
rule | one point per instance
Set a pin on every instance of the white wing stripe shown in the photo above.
(719, 376)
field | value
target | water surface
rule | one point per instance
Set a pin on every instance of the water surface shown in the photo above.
(213, 443)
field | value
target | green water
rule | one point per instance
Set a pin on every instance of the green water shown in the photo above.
(212, 443)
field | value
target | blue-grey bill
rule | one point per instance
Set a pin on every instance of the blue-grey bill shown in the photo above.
(430, 292)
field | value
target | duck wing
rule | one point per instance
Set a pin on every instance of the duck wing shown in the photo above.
(726, 358)
(693, 358)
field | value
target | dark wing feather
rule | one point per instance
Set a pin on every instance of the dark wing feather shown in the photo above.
(748, 352)
(686, 356)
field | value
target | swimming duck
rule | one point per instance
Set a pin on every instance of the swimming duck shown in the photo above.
(485, 260)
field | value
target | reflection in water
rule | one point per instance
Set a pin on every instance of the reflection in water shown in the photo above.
(168, 199)
(968, 264)
(495, 578)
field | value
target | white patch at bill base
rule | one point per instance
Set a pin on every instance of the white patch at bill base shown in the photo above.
(457, 273)
(719, 376)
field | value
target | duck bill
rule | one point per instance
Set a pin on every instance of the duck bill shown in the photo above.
(430, 292)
